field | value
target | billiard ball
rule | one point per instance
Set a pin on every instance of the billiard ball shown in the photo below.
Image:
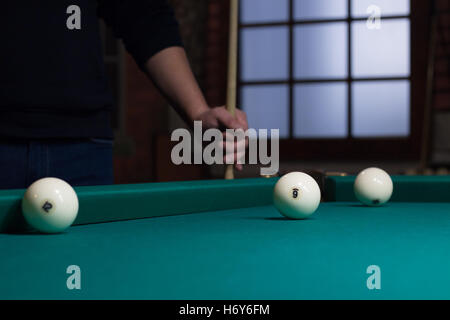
(296, 195)
(373, 187)
(50, 205)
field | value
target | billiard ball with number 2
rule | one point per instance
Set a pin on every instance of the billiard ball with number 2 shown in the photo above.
(50, 205)
(296, 195)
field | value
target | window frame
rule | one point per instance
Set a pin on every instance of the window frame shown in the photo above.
(351, 147)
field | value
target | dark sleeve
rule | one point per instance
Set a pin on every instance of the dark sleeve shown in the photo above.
(145, 26)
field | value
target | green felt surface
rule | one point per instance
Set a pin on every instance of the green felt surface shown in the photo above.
(406, 189)
(247, 253)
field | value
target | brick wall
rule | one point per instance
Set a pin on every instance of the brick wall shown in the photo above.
(442, 71)
(216, 55)
(145, 115)
(441, 97)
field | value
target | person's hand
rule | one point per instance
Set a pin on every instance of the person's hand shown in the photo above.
(220, 118)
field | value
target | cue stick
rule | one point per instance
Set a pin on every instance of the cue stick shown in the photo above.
(232, 70)
(427, 126)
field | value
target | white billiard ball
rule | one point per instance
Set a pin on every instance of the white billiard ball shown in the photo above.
(296, 195)
(373, 187)
(50, 205)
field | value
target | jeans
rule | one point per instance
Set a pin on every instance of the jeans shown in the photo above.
(78, 162)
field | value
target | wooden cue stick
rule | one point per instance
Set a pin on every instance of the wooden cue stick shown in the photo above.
(232, 70)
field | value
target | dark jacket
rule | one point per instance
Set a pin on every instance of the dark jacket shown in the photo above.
(52, 78)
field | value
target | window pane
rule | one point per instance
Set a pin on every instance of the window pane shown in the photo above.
(257, 11)
(387, 7)
(320, 9)
(320, 110)
(381, 52)
(264, 53)
(267, 107)
(321, 51)
(381, 109)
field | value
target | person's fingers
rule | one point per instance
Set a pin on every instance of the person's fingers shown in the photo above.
(233, 134)
(233, 143)
(242, 118)
(221, 117)
(226, 119)
(237, 150)
(239, 153)
(233, 146)
(246, 142)
(210, 123)
(234, 158)
(240, 157)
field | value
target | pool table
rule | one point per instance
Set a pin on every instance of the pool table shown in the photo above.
(224, 240)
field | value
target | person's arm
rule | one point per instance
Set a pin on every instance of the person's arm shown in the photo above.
(171, 73)
(150, 33)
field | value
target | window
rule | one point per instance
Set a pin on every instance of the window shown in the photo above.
(337, 70)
